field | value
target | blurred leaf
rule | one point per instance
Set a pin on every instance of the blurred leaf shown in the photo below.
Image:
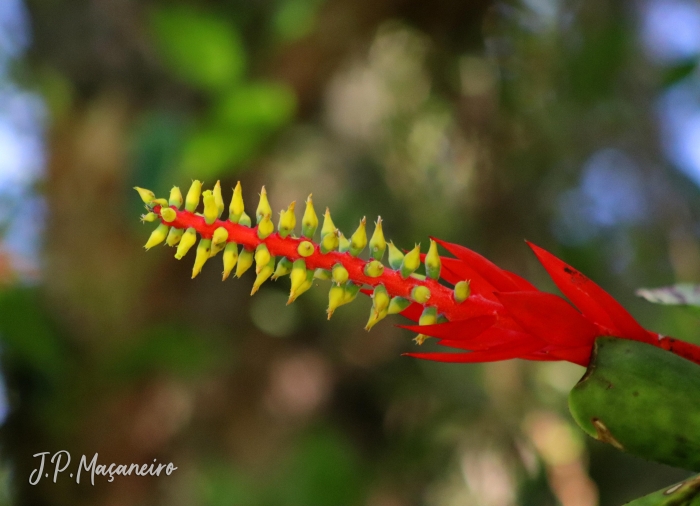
(677, 73)
(295, 18)
(203, 49)
(223, 485)
(260, 106)
(214, 152)
(681, 294)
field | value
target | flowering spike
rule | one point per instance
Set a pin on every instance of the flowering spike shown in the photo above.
(175, 197)
(462, 291)
(263, 206)
(174, 236)
(340, 274)
(329, 242)
(284, 267)
(263, 274)
(433, 265)
(336, 298)
(395, 256)
(262, 257)
(203, 250)
(397, 305)
(420, 294)
(236, 208)
(193, 194)
(411, 261)
(244, 220)
(322, 274)
(265, 227)
(187, 241)
(297, 277)
(219, 199)
(328, 226)
(230, 259)
(149, 217)
(157, 236)
(245, 261)
(218, 241)
(358, 240)
(168, 214)
(305, 249)
(374, 269)
(309, 223)
(343, 243)
(288, 221)
(146, 195)
(377, 244)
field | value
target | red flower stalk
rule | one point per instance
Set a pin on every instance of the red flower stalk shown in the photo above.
(490, 314)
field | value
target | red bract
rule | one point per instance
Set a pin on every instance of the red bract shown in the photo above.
(506, 317)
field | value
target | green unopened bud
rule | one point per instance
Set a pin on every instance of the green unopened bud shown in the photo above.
(149, 217)
(230, 259)
(187, 241)
(343, 243)
(305, 285)
(380, 298)
(377, 244)
(203, 250)
(218, 241)
(297, 278)
(340, 274)
(211, 211)
(284, 267)
(159, 202)
(146, 195)
(264, 208)
(157, 236)
(305, 248)
(262, 257)
(265, 227)
(395, 256)
(428, 317)
(309, 223)
(350, 292)
(328, 226)
(244, 220)
(263, 274)
(432, 261)
(174, 236)
(288, 221)
(245, 261)
(336, 298)
(397, 305)
(322, 274)
(193, 194)
(442, 318)
(175, 197)
(219, 199)
(329, 242)
(374, 318)
(168, 214)
(374, 269)
(420, 294)
(410, 262)
(358, 240)
(462, 291)
(236, 208)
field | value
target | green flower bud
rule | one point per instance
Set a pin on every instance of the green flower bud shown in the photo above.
(264, 208)
(244, 220)
(305, 248)
(343, 243)
(322, 274)
(358, 240)
(288, 221)
(230, 259)
(236, 208)
(302, 287)
(380, 298)
(395, 256)
(146, 195)
(245, 261)
(262, 257)
(297, 278)
(203, 250)
(397, 305)
(328, 226)
(351, 291)
(462, 291)
(265, 227)
(336, 298)
(211, 211)
(284, 267)
(193, 194)
(309, 223)
(410, 262)
(159, 202)
(340, 274)
(374, 269)
(186, 243)
(420, 294)
(174, 236)
(149, 217)
(168, 214)
(263, 274)
(377, 244)
(175, 197)
(157, 236)
(329, 242)
(374, 318)
(432, 261)
(428, 317)
(218, 241)
(219, 199)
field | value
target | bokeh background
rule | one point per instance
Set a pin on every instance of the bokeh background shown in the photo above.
(574, 124)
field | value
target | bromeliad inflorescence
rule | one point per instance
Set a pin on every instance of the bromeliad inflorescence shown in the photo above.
(488, 313)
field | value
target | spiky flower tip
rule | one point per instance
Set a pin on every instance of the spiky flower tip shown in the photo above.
(466, 302)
